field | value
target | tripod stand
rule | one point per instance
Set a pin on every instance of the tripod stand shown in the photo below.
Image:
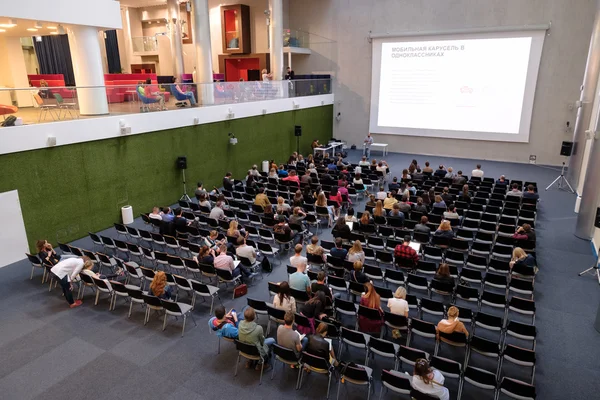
(594, 269)
(563, 183)
(184, 196)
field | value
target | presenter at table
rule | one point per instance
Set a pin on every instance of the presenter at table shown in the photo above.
(368, 142)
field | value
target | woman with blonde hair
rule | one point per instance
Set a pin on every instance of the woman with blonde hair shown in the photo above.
(372, 300)
(378, 211)
(366, 218)
(322, 202)
(266, 77)
(398, 304)
(452, 324)
(439, 202)
(282, 206)
(273, 173)
(233, 230)
(356, 253)
(444, 230)
(159, 287)
(520, 258)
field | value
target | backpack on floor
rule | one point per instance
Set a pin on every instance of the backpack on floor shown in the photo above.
(9, 121)
(266, 266)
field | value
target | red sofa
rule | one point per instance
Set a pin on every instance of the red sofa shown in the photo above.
(128, 83)
(53, 80)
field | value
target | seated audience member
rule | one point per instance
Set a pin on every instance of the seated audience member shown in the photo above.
(228, 182)
(188, 94)
(358, 180)
(298, 258)
(203, 201)
(443, 275)
(363, 162)
(398, 304)
(225, 262)
(417, 175)
(320, 285)
(393, 185)
(273, 174)
(427, 169)
(217, 211)
(66, 272)
(159, 287)
(366, 218)
(284, 299)
(155, 214)
(519, 257)
(205, 256)
(372, 300)
(477, 172)
(412, 191)
(306, 178)
(288, 337)
(502, 181)
(356, 252)
(405, 252)
(405, 205)
(379, 211)
(297, 217)
(524, 232)
(459, 179)
(372, 201)
(357, 274)
(530, 193)
(46, 253)
(322, 202)
(225, 325)
(336, 196)
(396, 213)
(251, 181)
(200, 191)
(343, 192)
(446, 196)
(450, 174)
(243, 250)
(314, 248)
(212, 242)
(465, 195)
(254, 171)
(444, 230)
(261, 198)
(269, 211)
(451, 213)
(340, 228)
(252, 333)
(439, 202)
(282, 206)
(292, 177)
(167, 215)
(350, 216)
(382, 167)
(311, 168)
(382, 194)
(332, 166)
(299, 280)
(515, 191)
(338, 251)
(315, 307)
(389, 201)
(440, 172)
(452, 324)
(321, 346)
(151, 92)
(429, 381)
(282, 172)
(283, 229)
(422, 227)
(420, 206)
(405, 175)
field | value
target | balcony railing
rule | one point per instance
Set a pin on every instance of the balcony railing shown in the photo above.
(295, 38)
(144, 44)
(62, 103)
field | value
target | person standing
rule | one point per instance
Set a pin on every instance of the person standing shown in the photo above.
(66, 271)
(367, 143)
(290, 75)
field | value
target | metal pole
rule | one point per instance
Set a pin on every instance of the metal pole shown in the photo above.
(586, 102)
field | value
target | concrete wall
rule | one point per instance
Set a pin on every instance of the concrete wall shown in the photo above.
(349, 22)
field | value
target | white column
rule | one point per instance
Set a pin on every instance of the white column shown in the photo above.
(202, 45)
(87, 66)
(13, 72)
(175, 36)
(290, 60)
(276, 31)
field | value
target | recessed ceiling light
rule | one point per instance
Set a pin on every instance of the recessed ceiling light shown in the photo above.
(38, 25)
(7, 25)
(2, 30)
(54, 33)
(32, 29)
(51, 27)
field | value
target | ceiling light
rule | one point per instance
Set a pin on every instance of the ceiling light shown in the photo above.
(38, 25)
(54, 33)
(51, 27)
(11, 24)
(32, 29)
(2, 30)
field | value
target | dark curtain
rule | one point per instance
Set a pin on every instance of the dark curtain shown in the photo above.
(54, 56)
(112, 52)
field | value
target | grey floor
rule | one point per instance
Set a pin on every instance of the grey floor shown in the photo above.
(49, 351)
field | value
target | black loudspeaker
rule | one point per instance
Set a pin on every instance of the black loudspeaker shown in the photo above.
(566, 148)
(253, 75)
(597, 220)
(182, 162)
(297, 130)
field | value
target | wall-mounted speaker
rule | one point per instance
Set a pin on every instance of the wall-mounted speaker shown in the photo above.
(181, 162)
(566, 148)
(298, 130)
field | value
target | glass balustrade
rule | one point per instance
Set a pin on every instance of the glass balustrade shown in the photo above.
(142, 44)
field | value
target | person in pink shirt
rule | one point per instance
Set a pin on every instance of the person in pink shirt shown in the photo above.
(293, 176)
(343, 191)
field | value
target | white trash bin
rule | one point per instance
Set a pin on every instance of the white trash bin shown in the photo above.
(127, 215)
(265, 166)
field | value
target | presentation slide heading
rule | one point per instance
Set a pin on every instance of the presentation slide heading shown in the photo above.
(424, 51)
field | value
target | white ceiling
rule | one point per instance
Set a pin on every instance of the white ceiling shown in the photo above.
(142, 3)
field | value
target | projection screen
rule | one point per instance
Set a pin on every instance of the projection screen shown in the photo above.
(464, 86)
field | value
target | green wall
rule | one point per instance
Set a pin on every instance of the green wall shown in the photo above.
(67, 191)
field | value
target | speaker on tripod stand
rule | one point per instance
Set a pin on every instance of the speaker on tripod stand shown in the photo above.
(181, 164)
(298, 134)
(563, 184)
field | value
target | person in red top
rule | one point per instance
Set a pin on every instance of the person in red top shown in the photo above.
(408, 255)
(343, 191)
(336, 196)
(293, 177)
(152, 92)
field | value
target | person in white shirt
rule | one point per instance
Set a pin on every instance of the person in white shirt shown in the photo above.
(477, 172)
(515, 191)
(398, 305)
(155, 214)
(298, 259)
(243, 250)
(363, 162)
(66, 271)
(367, 143)
(429, 381)
(382, 194)
(217, 212)
(254, 171)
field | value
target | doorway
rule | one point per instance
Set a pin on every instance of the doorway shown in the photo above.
(236, 68)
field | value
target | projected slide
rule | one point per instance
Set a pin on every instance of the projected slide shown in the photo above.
(466, 85)
(460, 86)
